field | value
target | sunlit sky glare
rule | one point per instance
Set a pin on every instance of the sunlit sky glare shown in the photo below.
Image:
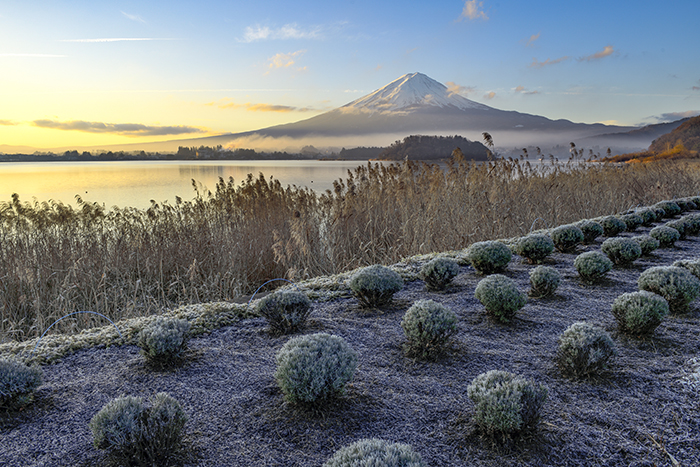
(86, 73)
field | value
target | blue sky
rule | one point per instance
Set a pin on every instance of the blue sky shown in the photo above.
(88, 73)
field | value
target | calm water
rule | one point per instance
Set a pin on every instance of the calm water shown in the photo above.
(136, 183)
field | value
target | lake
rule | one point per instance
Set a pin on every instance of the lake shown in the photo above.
(136, 183)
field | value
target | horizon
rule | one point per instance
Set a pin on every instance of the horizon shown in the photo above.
(81, 74)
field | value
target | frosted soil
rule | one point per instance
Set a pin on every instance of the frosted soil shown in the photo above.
(643, 411)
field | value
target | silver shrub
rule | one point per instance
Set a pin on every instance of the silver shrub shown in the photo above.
(639, 312)
(438, 272)
(612, 225)
(535, 247)
(145, 434)
(666, 236)
(584, 349)
(544, 281)
(590, 229)
(647, 243)
(592, 265)
(648, 215)
(428, 326)
(566, 237)
(17, 383)
(692, 224)
(621, 250)
(164, 340)
(500, 296)
(375, 285)
(504, 402)
(375, 453)
(632, 221)
(676, 284)
(681, 225)
(691, 265)
(315, 367)
(489, 257)
(670, 208)
(285, 311)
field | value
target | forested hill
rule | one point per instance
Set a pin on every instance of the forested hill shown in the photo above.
(418, 147)
(688, 134)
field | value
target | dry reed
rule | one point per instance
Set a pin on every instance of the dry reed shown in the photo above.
(55, 259)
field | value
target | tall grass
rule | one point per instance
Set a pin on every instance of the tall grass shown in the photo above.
(55, 259)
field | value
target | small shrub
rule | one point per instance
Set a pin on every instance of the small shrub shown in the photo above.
(660, 213)
(505, 403)
(639, 312)
(670, 208)
(685, 204)
(438, 272)
(592, 265)
(285, 311)
(647, 243)
(164, 340)
(500, 296)
(584, 349)
(17, 383)
(535, 247)
(692, 224)
(632, 221)
(375, 285)
(130, 429)
(677, 285)
(621, 250)
(591, 230)
(375, 453)
(680, 225)
(544, 281)
(566, 237)
(612, 226)
(666, 236)
(314, 367)
(428, 326)
(648, 216)
(489, 257)
(691, 265)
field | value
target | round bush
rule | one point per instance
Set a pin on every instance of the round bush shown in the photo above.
(438, 272)
(621, 250)
(666, 236)
(639, 312)
(428, 326)
(164, 340)
(647, 243)
(315, 367)
(145, 434)
(504, 402)
(591, 230)
(660, 213)
(648, 216)
(691, 265)
(685, 204)
(692, 224)
(632, 221)
(500, 296)
(566, 237)
(592, 265)
(584, 349)
(544, 281)
(17, 383)
(489, 257)
(535, 247)
(670, 208)
(285, 311)
(375, 285)
(612, 226)
(375, 453)
(677, 285)
(680, 225)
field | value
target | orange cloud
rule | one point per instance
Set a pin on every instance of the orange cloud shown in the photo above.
(536, 64)
(284, 60)
(607, 51)
(454, 88)
(489, 95)
(532, 39)
(125, 129)
(522, 90)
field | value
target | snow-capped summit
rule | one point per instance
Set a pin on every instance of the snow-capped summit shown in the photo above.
(413, 90)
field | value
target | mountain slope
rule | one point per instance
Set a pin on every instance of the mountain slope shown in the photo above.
(687, 134)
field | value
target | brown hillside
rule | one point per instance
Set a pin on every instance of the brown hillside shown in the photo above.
(688, 134)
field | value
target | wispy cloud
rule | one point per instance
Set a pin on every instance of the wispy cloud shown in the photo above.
(34, 55)
(8, 123)
(136, 18)
(454, 88)
(282, 60)
(288, 31)
(522, 90)
(606, 52)
(117, 39)
(673, 116)
(536, 64)
(696, 88)
(473, 10)
(125, 129)
(530, 42)
(489, 95)
(258, 107)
